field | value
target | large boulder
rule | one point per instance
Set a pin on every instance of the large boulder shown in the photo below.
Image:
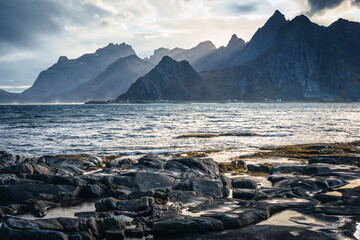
(152, 180)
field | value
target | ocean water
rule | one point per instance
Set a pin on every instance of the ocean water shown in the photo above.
(35, 130)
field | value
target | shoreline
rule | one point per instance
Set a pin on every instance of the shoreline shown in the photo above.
(312, 189)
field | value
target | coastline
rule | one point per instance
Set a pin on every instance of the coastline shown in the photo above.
(312, 189)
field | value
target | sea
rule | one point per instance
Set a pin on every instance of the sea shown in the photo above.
(130, 129)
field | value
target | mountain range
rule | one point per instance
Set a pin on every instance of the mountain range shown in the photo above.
(289, 60)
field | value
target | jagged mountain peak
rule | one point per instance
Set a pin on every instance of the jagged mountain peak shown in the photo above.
(235, 41)
(111, 47)
(62, 59)
(276, 19)
(206, 45)
(301, 19)
(168, 63)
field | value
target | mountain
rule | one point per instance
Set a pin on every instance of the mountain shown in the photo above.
(289, 60)
(223, 57)
(262, 40)
(192, 55)
(115, 80)
(169, 80)
(6, 97)
(306, 61)
(66, 75)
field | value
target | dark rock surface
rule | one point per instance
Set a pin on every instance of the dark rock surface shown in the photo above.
(174, 197)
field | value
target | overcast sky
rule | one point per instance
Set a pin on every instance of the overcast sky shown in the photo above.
(33, 34)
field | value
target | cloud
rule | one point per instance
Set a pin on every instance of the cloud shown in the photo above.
(318, 6)
(23, 22)
(246, 8)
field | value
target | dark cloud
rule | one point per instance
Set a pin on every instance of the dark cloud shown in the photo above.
(22, 21)
(245, 8)
(321, 5)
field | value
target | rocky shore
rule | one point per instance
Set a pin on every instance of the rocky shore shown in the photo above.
(309, 191)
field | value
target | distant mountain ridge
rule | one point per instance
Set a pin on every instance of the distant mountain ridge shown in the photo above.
(114, 80)
(66, 75)
(289, 60)
(168, 80)
(296, 60)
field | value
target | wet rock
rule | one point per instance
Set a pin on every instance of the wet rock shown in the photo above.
(41, 169)
(39, 208)
(244, 183)
(242, 219)
(10, 179)
(188, 224)
(335, 160)
(314, 183)
(317, 170)
(227, 186)
(113, 181)
(58, 180)
(109, 204)
(249, 194)
(31, 191)
(187, 197)
(152, 180)
(68, 170)
(92, 191)
(259, 168)
(114, 234)
(8, 233)
(207, 186)
(207, 166)
(18, 169)
(150, 161)
(82, 161)
(238, 164)
(257, 233)
(8, 159)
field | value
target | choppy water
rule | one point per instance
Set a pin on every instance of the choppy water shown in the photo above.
(114, 129)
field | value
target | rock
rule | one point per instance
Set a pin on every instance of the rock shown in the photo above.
(124, 205)
(18, 169)
(249, 194)
(150, 180)
(256, 233)
(244, 183)
(92, 191)
(259, 168)
(208, 186)
(238, 164)
(242, 219)
(68, 170)
(39, 208)
(7, 233)
(114, 234)
(317, 170)
(113, 181)
(106, 204)
(34, 191)
(226, 182)
(181, 225)
(150, 161)
(10, 179)
(58, 180)
(207, 166)
(41, 169)
(334, 160)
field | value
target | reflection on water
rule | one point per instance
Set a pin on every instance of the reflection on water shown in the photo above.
(115, 129)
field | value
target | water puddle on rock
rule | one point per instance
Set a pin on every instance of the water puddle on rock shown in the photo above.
(67, 212)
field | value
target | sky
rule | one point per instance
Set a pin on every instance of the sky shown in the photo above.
(34, 33)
